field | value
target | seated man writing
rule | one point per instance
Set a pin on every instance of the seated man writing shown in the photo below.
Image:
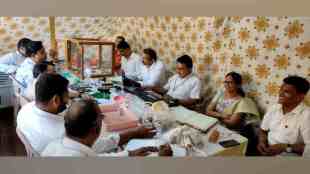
(130, 61)
(185, 86)
(153, 70)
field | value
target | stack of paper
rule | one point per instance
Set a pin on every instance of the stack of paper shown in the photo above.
(196, 120)
(120, 120)
(139, 143)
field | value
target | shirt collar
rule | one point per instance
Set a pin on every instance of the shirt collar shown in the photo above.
(18, 53)
(152, 66)
(297, 110)
(186, 77)
(77, 146)
(30, 61)
(128, 58)
(46, 114)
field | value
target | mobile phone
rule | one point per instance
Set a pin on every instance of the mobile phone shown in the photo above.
(229, 143)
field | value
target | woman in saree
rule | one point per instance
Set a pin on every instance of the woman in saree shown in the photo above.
(231, 106)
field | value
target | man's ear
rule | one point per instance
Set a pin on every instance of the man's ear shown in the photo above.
(301, 97)
(95, 130)
(56, 99)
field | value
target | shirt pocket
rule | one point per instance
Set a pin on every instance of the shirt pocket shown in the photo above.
(290, 131)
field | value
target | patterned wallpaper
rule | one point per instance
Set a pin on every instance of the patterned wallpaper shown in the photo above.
(37, 28)
(87, 27)
(263, 49)
(14, 28)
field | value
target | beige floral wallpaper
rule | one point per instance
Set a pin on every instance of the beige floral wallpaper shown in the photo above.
(37, 28)
(14, 28)
(263, 49)
(87, 27)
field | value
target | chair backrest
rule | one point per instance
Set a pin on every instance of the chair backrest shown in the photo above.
(30, 151)
(21, 100)
(205, 100)
(16, 84)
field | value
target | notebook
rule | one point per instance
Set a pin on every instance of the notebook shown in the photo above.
(194, 119)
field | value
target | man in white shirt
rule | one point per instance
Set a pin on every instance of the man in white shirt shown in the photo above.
(153, 71)
(130, 61)
(184, 87)
(285, 128)
(83, 124)
(11, 61)
(41, 122)
(38, 69)
(24, 74)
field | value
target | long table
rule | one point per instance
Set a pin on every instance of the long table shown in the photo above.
(138, 106)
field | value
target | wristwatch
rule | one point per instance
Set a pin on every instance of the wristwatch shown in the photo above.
(288, 148)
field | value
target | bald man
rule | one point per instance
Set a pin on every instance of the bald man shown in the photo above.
(83, 122)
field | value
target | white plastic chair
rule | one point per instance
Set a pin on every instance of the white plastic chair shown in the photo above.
(21, 100)
(30, 151)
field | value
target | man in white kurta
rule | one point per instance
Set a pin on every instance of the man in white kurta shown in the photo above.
(41, 128)
(153, 71)
(131, 65)
(24, 73)
(41, 122)
(45, 67)
(83, 126)
(285, 128)
(130, 61)
(38, 126)
(10, 62)
(185, 88)
(155, 75)
(68, 147)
